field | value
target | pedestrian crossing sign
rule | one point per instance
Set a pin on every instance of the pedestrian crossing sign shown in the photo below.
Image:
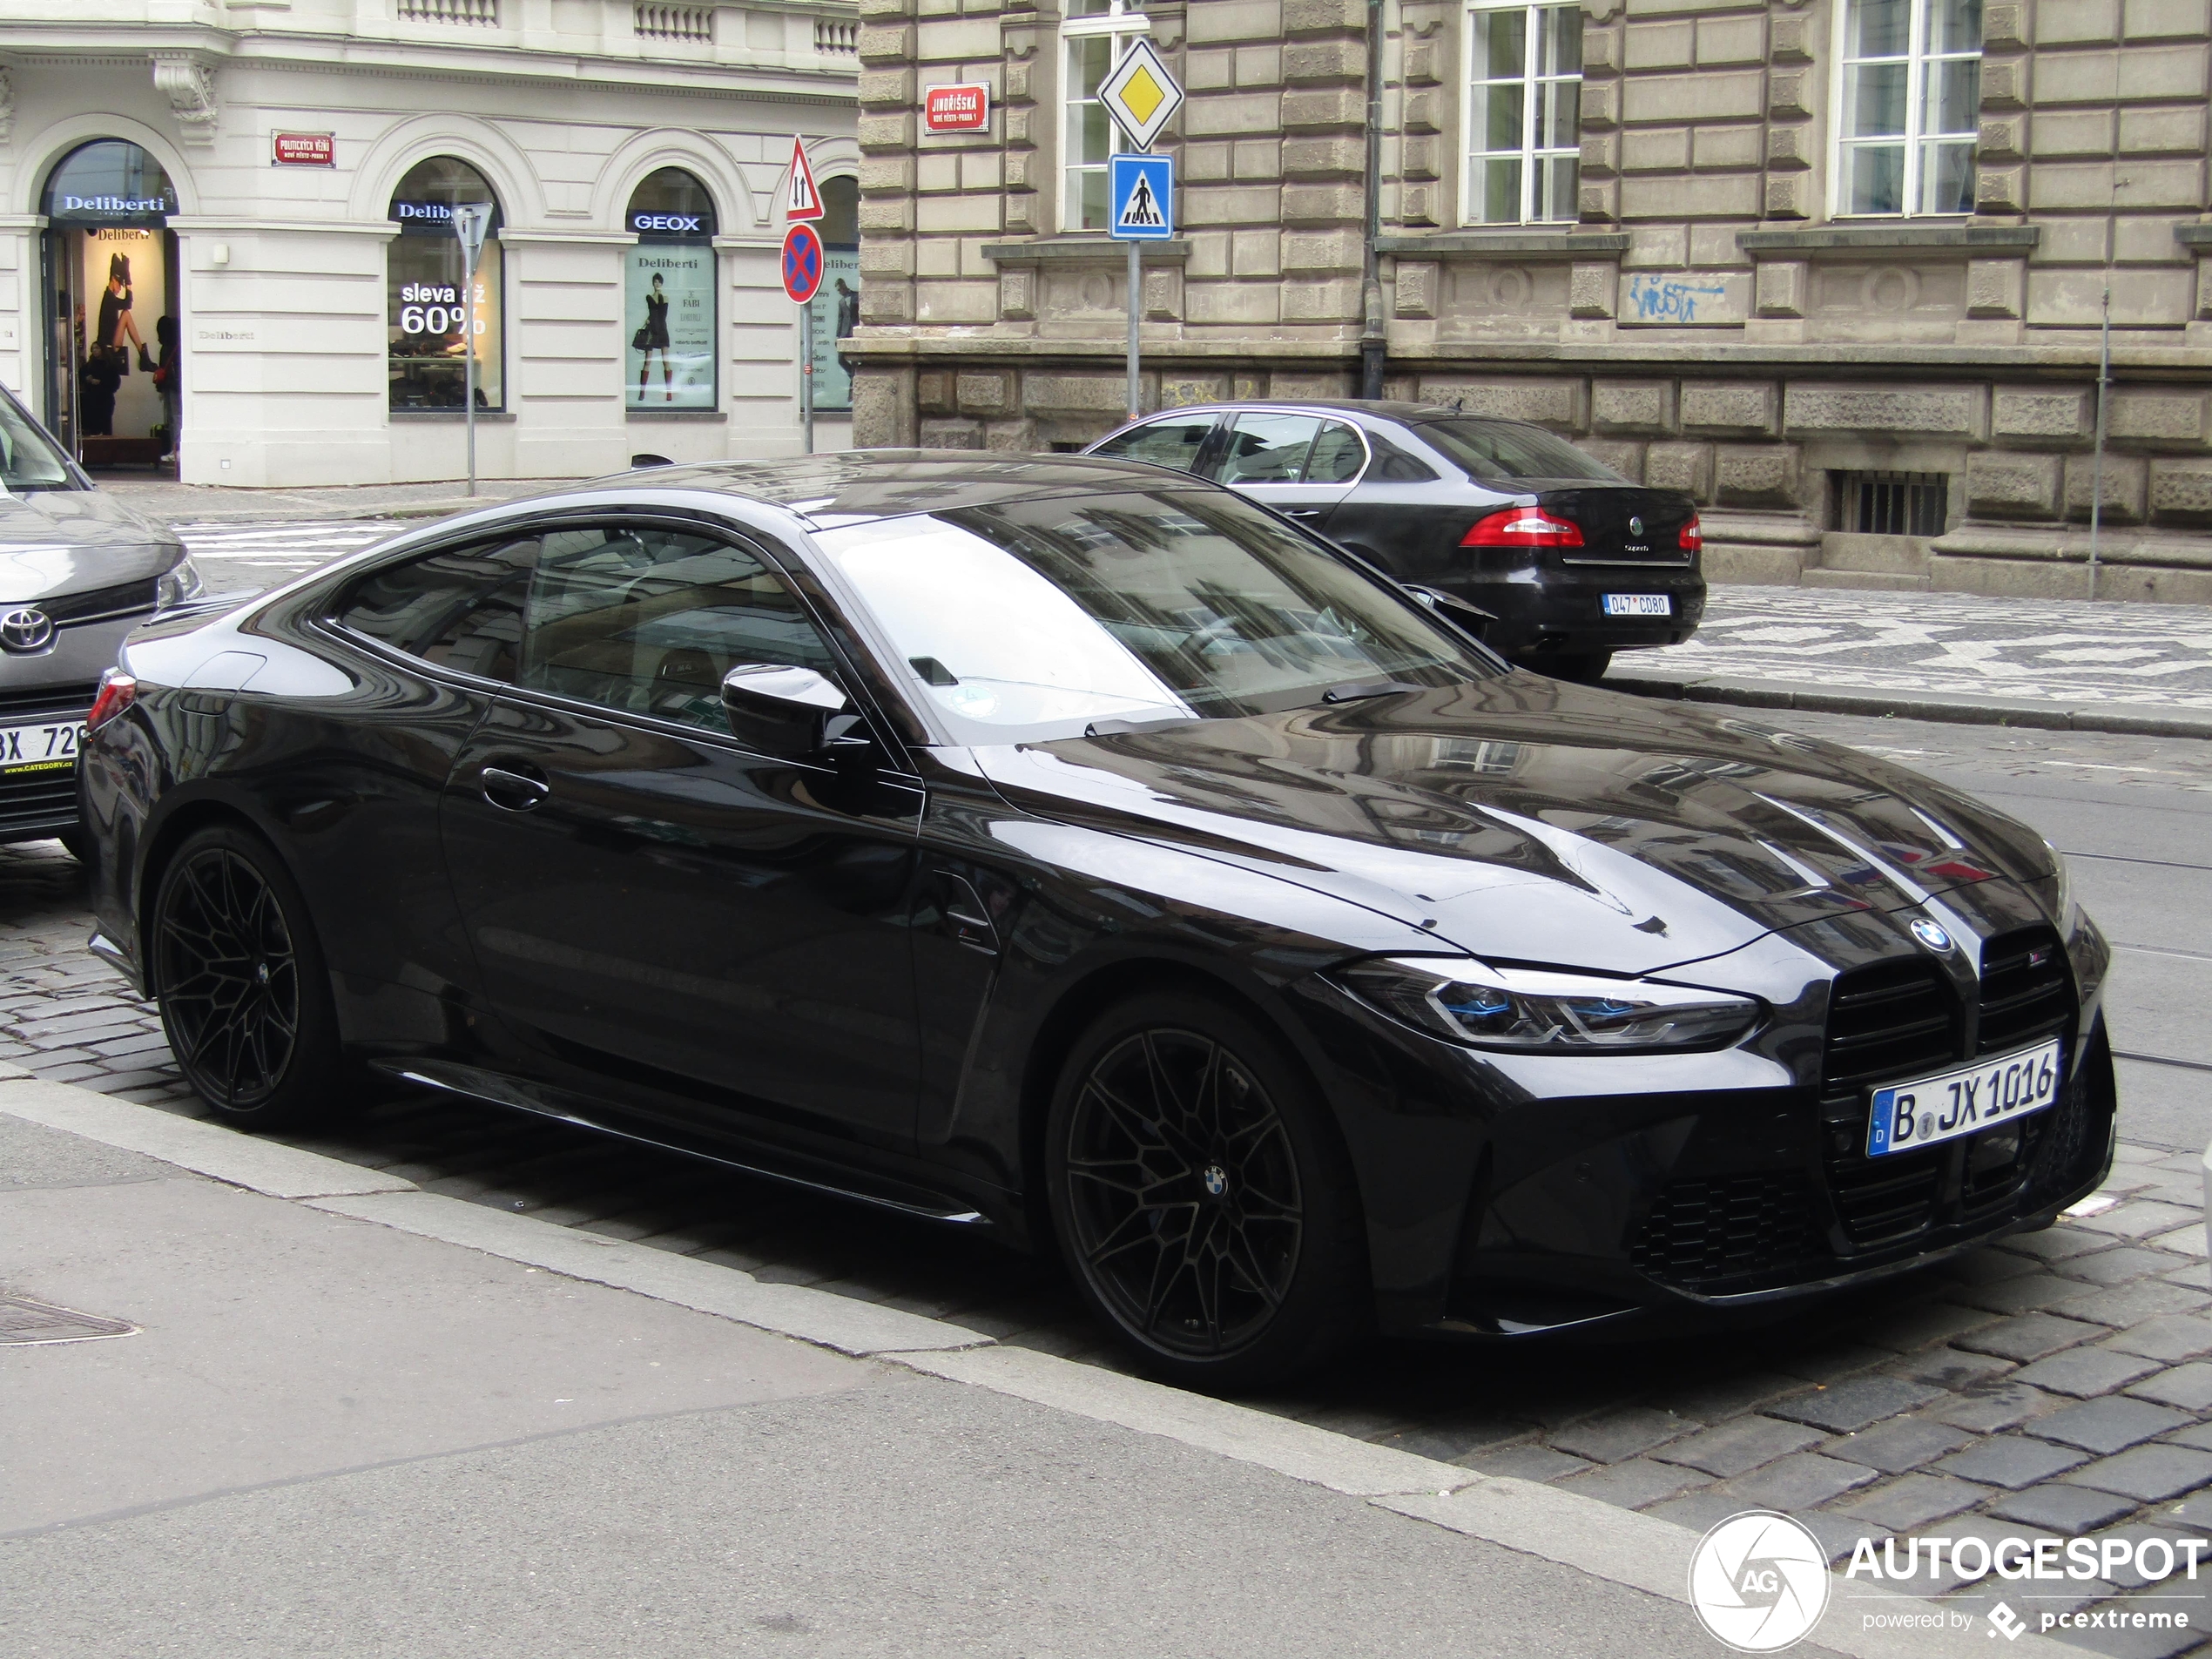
(1140, 194)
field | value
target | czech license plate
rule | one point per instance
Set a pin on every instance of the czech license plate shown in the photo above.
(1929, 1111)
(45, 747)
(1639, 604)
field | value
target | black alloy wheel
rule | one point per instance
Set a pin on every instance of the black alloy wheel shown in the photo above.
(1201, 1197)
(244, 1000)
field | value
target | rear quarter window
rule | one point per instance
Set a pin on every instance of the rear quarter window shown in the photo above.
(1504, 451)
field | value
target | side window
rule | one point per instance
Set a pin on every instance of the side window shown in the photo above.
(1394, 465)
(1338, 457)
(649, 621)
(460, 609)
(1173, 442)
(1267, 448)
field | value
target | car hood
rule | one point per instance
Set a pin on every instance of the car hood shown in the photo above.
(1525, 820)
(64, 541)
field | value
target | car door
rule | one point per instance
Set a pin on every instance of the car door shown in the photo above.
(1301, 465)
(648, 901)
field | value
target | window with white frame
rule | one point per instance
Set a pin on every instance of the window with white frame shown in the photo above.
(1911, 100)
(1524, 114)
(1091, 42)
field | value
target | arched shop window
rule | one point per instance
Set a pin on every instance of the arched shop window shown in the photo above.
(671, 290)
(837, 307)
(429, 320)
(111, 305)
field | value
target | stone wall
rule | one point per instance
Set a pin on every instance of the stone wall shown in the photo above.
(1708, 323)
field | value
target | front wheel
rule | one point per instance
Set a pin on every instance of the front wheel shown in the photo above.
(1201, 1195)
(239, 978)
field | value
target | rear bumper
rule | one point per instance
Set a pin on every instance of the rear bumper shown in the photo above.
(1559, 608)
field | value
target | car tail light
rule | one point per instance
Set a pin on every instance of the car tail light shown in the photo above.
(118, 691)
(1693, 537)
(1523, 527)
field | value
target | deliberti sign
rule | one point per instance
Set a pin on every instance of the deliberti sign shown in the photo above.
(303, 150)
(964, 107)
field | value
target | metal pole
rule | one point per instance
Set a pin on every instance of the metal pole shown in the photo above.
(1136, 309)
(1373, 341)
(2097, 465)
(807, 372)
(469, 368)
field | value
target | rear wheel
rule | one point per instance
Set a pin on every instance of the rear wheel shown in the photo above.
(1583, 667)
(1201, 1197)
(239, 978)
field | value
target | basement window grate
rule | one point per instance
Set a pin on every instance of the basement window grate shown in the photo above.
(1890, 504)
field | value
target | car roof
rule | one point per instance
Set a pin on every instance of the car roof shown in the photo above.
(1379, 408)
(879, 483)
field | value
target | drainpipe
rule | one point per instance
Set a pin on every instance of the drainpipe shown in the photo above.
(1373, 344)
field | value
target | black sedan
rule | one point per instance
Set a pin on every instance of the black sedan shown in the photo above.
(1065, 849)
(77, 571)
(1573, 560)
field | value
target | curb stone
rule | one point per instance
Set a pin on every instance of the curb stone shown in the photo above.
(2129, 719)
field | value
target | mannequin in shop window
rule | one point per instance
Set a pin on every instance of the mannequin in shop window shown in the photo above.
(652, 336)
(167, 372)
(115, 320)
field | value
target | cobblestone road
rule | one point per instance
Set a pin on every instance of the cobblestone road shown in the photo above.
(2033, 650)
(2057, 1384)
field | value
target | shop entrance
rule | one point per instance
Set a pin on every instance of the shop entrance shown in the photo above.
(113, 343)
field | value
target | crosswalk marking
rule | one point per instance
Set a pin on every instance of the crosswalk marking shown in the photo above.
(295, 546)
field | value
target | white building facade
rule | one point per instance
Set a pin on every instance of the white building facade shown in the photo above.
(266, 186)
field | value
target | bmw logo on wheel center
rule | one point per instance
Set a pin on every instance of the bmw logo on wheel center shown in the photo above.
(26, 628)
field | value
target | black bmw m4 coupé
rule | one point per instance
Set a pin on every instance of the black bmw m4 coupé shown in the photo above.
(1078, 850)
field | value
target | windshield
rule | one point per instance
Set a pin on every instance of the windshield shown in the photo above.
(1031, 620)
(1499, 450)
(28, 457)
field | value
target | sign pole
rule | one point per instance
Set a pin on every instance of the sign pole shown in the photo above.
(807, 372)
(1136, 309)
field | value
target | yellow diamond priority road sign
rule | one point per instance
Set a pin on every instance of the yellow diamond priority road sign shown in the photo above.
(1140, 94)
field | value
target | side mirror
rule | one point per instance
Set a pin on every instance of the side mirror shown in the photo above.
(1468, 618)
(783, 710)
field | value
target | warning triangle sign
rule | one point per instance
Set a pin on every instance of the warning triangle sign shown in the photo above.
(1141, 210)
(802, 200)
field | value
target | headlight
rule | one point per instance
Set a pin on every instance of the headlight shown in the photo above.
(2062, 900)
(181, 582)
(1534, 1009)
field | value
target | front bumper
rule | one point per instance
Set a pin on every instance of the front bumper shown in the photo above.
(1511, 1197)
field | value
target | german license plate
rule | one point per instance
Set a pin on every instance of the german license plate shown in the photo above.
(1639, 604)
(45, 747)
(1929, 1111)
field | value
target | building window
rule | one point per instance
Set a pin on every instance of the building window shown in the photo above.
(1890, 504)
(1090, 46)
(836, 310)
(435, 318)
(1911, 99)
(670, 290)
(1524, 114)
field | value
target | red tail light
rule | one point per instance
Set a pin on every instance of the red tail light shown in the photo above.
(1693, 538)
(117, 692)
(1523, 527)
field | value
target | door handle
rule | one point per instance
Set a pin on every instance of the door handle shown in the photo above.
(1303, 512)
(513, 791)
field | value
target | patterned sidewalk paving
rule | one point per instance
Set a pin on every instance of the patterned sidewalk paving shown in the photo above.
(2059, 651)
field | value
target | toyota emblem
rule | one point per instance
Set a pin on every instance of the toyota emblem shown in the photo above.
(1931, 935)
(26, 628)
(1635, 525)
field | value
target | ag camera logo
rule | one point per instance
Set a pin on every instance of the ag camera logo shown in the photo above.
(1758, 1581)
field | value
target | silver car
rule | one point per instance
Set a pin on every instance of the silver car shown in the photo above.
(79, 570)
